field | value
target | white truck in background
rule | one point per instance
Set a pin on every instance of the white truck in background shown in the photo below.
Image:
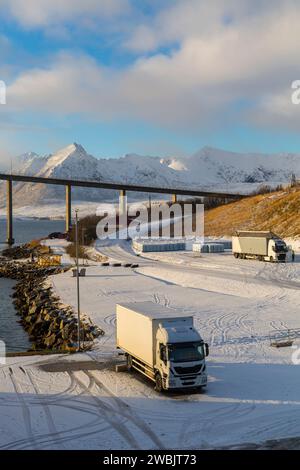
(264, 246)
(163, 345)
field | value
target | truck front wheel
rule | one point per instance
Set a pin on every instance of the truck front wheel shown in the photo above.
(129, 362)
(158, 383)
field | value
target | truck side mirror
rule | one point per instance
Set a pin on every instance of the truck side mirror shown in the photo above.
(206, 349)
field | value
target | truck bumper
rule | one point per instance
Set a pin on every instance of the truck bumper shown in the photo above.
(185, 382)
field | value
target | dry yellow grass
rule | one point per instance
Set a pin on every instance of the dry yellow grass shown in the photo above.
(278, 211)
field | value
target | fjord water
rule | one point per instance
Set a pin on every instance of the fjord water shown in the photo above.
(11, 332)
(29, 229)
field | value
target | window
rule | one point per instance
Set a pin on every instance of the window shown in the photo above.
(163, 352)
(186, 352)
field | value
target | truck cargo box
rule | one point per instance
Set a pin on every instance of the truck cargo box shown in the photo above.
(137, 324)
(250, 245)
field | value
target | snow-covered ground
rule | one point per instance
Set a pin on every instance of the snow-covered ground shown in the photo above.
(253, 389)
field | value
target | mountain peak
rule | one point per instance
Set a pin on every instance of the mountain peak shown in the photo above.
(69, 149)
(72, 154)
(78, 147)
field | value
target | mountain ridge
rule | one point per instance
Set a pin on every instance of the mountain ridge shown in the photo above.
(208, 168)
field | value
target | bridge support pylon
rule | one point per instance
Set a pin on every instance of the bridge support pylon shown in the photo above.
(122, 202)
(9, 213)
(68, 207)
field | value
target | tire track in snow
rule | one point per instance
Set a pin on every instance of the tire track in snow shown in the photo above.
(25, 408)
(125, 410)
(50, 421)
(109, 413)
(161, 299)
(212, 418)
(47, 439)
(110, 320)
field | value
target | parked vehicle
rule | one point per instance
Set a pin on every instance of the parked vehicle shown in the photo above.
(162, 344)
(58, 235)
(264, 246)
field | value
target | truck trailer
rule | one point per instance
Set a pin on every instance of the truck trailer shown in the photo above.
(162, 344)
(264, 246)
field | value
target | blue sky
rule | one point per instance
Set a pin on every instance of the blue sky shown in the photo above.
(149, 77)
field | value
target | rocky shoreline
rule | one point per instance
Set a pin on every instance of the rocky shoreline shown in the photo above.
(50, 325)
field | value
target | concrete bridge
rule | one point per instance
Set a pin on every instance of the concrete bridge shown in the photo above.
(121, 187)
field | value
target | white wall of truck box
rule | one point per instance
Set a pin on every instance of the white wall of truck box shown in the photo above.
(135, 334)
(250, 245)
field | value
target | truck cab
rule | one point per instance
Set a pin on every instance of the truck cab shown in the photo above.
(180, 357)
(277, 250)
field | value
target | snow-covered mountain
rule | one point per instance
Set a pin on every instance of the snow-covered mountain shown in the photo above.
(228, 167)
(209, 168)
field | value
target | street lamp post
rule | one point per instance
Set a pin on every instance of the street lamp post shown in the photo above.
(83, 244)
(77, 277)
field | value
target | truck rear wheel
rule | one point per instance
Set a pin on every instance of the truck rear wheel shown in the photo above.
(129, 362)
(158, 383)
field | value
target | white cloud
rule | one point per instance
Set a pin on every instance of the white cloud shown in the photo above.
(79, 85)
(41, 13)
(175, 23)
(228, 52)
(184, 19)
(276, 110)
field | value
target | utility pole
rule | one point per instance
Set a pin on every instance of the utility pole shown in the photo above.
(77, 277)
(82, 244)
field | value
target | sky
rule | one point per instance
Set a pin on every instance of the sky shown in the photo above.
(153, 77)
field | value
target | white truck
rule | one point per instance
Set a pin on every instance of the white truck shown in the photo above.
(264, 246)
(162, 344)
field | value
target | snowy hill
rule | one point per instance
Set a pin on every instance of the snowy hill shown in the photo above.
(213, 166)
(208, 169)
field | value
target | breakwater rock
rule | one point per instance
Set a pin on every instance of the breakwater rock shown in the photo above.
(26, 251)
(50, 325)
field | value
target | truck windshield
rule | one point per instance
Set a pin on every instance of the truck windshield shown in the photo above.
(280, 246)
(186, 352)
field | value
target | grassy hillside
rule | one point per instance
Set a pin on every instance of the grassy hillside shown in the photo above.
(278, 211)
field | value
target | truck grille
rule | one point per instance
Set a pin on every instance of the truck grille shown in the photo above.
(188, 370)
